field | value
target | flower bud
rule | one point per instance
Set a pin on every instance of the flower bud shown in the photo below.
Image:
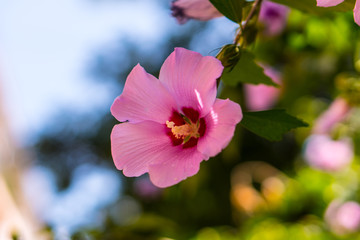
(229, 55)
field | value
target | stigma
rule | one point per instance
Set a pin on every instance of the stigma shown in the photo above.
(185, 131)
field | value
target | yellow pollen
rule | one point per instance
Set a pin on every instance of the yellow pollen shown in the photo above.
(185, 131)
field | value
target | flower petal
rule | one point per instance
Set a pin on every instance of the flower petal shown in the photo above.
(220, 127)
(323, 153)
(328, 3)
(337, 112)
(143, 98)
(357, 12)
(203, 10)
(191, 79)
(274, 17)
(144, 147)
(135, 146)
(178, 164)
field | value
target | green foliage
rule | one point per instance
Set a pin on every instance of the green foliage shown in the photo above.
(232, 9)
(309, 6)
(311, 53)
(246, 71)
(229, 55)
(271, 124)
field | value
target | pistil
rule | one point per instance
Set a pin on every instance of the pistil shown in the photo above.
(185, 131)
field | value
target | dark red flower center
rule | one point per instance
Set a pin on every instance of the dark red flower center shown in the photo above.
(185, 128)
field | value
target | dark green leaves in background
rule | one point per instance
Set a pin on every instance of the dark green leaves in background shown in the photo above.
(246, 71)
(309, 6)
(232, 9)
(271, 124)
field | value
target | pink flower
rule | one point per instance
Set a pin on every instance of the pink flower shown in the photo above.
(273, 16)
(337, 112)
(170, 125)
(145, 189)
(262, 97)
(331, 3)
(343, 218)
(323, 153)
(183, 10)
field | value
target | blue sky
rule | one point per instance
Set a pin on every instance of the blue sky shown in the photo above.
(45, 46)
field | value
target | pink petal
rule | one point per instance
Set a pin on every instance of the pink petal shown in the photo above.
(143, 98)
(220, 127)
(191, 79)
(274, 17)
(178, 164)
(338, 111)
(144, 147)
(357, 12)
(323, 153)
(262, 97)
(348, 216)
(135, 146)
(328, 3)
(196, 9)
(343, 217)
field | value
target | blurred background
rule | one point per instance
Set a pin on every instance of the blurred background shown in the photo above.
(62, 63)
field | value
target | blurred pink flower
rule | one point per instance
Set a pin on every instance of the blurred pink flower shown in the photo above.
(183, 10)
(145, 189)
(172, 124)
(331, 3)
(323, 153)
(262, 97)
(337, 112)
(343, 218)
(273, 16)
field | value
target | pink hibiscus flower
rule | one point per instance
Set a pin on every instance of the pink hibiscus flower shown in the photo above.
(272, 15)
(262, 97)
(203, 10)
(323, 153)
(343, 218)
(173, 123)
(331, 3)
(338, 110)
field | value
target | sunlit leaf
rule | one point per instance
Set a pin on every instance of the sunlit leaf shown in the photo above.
(231, 9)
(246, 71)
(310, 6)
(271, 124)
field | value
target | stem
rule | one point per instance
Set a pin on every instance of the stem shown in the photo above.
(247, 20)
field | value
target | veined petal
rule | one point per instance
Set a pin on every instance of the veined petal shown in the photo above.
(143, 98)
(143, 147)
(191, 79)
(220, 127)
(328, 3)
(177, 165)
(357, 12)
(136, 145)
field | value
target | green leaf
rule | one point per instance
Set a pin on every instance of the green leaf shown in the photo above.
(310, 6)
(271, 124)
(246, 71)
(232, 9)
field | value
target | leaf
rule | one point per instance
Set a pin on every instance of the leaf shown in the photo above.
(232, 9)
(271, 124)
(246, 71)
(310, 6)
